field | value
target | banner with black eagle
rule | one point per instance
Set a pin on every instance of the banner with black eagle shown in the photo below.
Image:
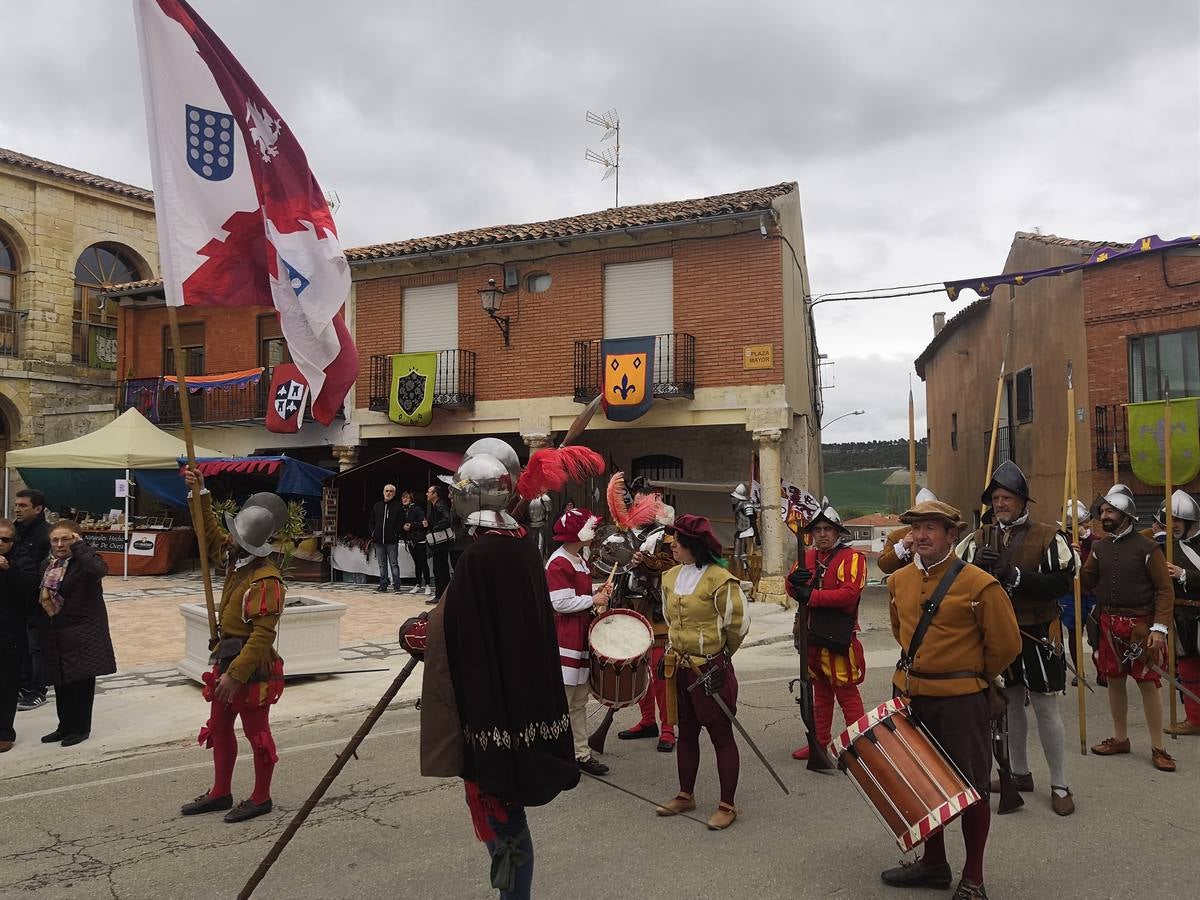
(627, 377)
(410, 400)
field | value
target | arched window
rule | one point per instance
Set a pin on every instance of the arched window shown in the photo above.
(8, 299)
(94, 322)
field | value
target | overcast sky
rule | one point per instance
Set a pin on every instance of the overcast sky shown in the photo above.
(922, 134)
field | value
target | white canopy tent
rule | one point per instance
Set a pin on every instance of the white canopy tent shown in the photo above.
(130, 441)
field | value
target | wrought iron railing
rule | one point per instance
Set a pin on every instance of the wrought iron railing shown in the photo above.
(159, 401)
(453, 383)
(674, 367)
(1110, 435)
(9, 321)
(1005, 450)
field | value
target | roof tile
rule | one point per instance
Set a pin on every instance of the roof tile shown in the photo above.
(54, 170)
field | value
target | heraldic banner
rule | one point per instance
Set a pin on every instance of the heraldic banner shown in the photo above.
(1147, 438)
(285, 403)
(627, 377)
(410, 401)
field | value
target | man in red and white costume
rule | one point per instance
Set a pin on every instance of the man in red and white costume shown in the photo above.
(570, 583)
(828, 583)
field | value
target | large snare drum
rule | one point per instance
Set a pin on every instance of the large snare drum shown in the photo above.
(910, 782)
(620, 642)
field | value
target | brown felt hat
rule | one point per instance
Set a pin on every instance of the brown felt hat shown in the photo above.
(933, 509)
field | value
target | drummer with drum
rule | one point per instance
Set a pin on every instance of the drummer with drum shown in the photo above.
(957, 632)
(707, 621)
(570, 583)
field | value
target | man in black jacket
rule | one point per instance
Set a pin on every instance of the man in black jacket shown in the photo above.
(30, 549)
(16, 597)
(387, 521)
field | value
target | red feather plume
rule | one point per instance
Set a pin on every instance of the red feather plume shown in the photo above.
(645, 509)
(615, 495)
(550, 469)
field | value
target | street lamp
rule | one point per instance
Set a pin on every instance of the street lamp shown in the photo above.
(857, 412)
(491, 297)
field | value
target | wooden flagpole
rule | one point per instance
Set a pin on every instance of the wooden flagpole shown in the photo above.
(912, 449)
(1168, 545)
(1072, 478)
(198, 523)
(991, 460)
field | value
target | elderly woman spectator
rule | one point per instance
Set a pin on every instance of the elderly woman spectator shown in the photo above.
(73, 626)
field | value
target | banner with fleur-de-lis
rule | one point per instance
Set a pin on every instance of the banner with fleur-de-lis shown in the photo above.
(628, 383)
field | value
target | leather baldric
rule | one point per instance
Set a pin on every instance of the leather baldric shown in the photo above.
(929, 610)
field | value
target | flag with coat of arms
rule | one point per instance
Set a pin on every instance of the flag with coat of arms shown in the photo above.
(285, 404)
(241, 219)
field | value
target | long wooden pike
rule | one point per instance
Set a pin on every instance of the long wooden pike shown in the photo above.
(1168, 545)
(912, 449)
(194, 504)
(987, 475)
(1072, 475)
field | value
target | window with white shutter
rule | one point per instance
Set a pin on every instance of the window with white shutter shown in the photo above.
(639, 300)
(431, 324)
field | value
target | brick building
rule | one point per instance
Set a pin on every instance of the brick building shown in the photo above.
(1119, 323)
(65, 235)
(720, 282)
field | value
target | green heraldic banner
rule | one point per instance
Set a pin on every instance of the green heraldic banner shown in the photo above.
(411, 397)
(1147, 441)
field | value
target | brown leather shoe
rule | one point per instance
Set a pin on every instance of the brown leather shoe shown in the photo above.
(680, 803)
(5, 746)
(1111, 747)
(1063, 806)
(725, 816)
(1182, 728)
(1163, 761)
(1023, 783)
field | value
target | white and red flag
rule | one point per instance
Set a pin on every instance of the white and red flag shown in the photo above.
(241, 219)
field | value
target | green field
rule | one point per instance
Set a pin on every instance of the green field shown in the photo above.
(861, 490)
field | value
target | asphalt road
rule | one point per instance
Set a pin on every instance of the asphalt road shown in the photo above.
(111, 829)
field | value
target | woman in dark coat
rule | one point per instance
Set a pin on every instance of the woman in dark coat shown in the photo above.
(73, 623)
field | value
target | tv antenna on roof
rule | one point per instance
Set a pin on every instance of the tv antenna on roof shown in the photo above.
(334, 201)
(610, 157)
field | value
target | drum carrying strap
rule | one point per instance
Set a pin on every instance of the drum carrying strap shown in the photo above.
(929, 610)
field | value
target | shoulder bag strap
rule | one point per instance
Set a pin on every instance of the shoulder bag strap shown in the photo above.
(930, 610)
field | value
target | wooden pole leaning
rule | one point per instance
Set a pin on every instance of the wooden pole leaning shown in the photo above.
(1072, 479)
(912, 451)
(1168, 547)
(991, 460)
(194, 505)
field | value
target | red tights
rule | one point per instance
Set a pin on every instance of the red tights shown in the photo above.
(696, 710)
(656, 695)
(975, 824)
(219, 735)
(848, 699)
(1188, 669)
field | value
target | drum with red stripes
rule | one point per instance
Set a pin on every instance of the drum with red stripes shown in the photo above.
(620, 642)
(914, 787)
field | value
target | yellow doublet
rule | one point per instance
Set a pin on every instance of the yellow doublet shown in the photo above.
(708, 618)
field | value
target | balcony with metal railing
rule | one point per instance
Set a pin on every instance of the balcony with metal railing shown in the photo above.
(159, 402)
(453, 384)
(1111, 435)
(10, 321)
(674, 367)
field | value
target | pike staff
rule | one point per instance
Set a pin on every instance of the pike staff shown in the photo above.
(1168, 547)
(1072, 479)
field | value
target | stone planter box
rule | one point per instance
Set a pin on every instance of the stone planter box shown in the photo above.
(308, 639)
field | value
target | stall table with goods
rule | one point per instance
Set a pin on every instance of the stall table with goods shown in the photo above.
(153, 550)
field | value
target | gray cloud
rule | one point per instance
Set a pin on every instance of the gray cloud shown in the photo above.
(922, 134)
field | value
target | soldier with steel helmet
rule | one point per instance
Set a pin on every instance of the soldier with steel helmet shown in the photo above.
(1035, 565)
(1128, 573)
(247, 674)
(1185, 575)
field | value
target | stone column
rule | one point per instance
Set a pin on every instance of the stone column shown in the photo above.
(770, 519)
(535, 440)
(347, 457)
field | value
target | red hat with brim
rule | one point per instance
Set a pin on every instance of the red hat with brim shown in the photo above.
(700, 528)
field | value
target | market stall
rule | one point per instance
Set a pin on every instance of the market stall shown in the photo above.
(350, 495)
(99, 472)
(152, 551)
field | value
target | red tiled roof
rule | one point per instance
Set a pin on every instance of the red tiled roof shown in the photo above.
(1086, 247)
(614, 220)
(54, 170)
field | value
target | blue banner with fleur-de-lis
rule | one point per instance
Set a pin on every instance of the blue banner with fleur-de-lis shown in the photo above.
(627, 365)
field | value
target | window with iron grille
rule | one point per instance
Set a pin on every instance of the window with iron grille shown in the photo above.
(1172, 355)
(94, 320)
(1024, 392)
(953, 431)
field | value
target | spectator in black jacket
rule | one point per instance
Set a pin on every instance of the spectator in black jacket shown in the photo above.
(16, 599)
(439, 531)
(386, 518)
(414, 540)
(30, 549)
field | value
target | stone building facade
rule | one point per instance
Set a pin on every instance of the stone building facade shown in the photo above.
(1098, 319)
(64, 236)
